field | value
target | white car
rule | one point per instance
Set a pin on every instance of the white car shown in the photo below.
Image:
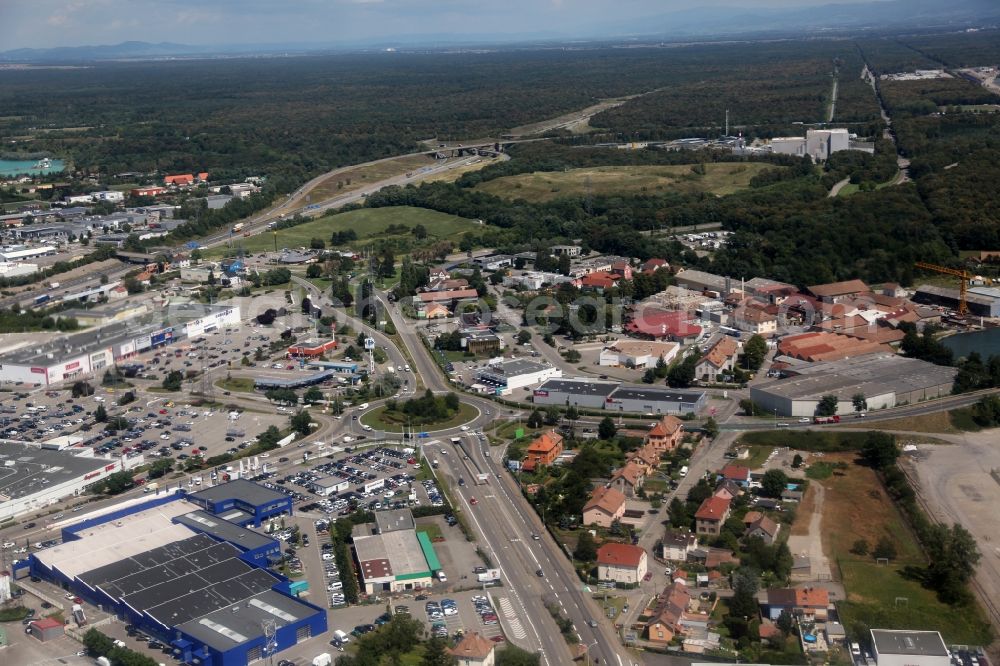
(9, 544)
(363, 405)
(464, 428)
(804, 419)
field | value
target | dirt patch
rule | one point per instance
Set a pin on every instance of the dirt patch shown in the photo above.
(857, 507)
(802, 515)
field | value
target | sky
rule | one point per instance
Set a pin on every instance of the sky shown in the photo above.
(51, 23)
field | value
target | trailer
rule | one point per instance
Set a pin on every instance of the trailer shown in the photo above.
(827, 419)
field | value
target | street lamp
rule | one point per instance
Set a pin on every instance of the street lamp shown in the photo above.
(588, 651)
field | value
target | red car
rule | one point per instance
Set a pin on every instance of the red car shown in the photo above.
(648, 576)
(473, 501)
(163, 411)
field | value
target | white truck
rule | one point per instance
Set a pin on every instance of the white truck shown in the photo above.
(151, 487)
(322, 659)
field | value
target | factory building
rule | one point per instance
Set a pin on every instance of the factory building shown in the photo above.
(618, 398)
(981, 301)
(183, 576)
(243, 502)
(818, 143)
(886, 380)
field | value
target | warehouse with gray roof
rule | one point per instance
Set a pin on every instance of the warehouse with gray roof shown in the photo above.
(886, 380)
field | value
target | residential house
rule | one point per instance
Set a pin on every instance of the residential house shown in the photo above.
(719, 360)
(755, 320)
(677, 545)
(789, 495)
(667, 620)
(764, 528)
(599, 282)
(179, 180)
(628, 479)
(653, 265)
(711, 515)
(474, 650)
(605, 506)
(621, 563)
(666, 435)
(809, 603)
(543, 451)
(738, 474)
(727, 489)
(434, 311)
(646, 457)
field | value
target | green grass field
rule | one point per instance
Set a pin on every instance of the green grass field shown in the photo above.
(720, 179)
(369, 223)
(380, 419)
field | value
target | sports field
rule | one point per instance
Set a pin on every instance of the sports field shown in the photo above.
(720, 179)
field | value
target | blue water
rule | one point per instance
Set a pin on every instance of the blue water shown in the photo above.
(986, 342)
(27, 167)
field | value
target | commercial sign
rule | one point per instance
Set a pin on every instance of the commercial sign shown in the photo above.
(378, 484)
(38, 371)
(541, 393)
(72, 366)
(91, 475)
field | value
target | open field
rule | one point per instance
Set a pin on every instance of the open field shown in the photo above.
(719, 179)
(577, 122)
(856, 506)
(367, 222)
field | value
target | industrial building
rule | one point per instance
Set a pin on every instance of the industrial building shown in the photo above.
(641, 400)
(32, 477)
(818, 143)
(616, 397)
(392, 556)
(504, 376)
(886, 380)
(909, 648)
(243, 502)
(981, 301)
(189, 578)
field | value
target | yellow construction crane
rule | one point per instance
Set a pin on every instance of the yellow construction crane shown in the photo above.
(963, 276)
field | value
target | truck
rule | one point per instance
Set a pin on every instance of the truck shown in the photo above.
(489, 576)
(41, 299)
(53, 285)
(151, 487)
(827, 419)
(238, 227)
(322, 660)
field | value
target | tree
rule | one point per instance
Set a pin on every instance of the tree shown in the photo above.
(267, 317)
(682, 374)
(515, 656)
(711, 428)
(82, 389)
(744, 599)
(172, 382)
(827, 406)
(678, 512)
(953, 555)
(100, 414)
(314, 271)
(784, 623)
(313, 394)
(879, 450)
(572, 356)
(797, 461)
(535, 419)
(300, 422)
(860, 547)
(552, 415)
(419, 232)
(572, 413)
(317, 243)
(859, 402)
(773, 483)
(436, 651)
(754, 352)
(452, 402)
(649, 377)
(586, 547)
(306, 305)
(523, 336)
(606, 429)
(884, 549)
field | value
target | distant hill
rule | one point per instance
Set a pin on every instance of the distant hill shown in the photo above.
(874, 16)
(880, 16)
